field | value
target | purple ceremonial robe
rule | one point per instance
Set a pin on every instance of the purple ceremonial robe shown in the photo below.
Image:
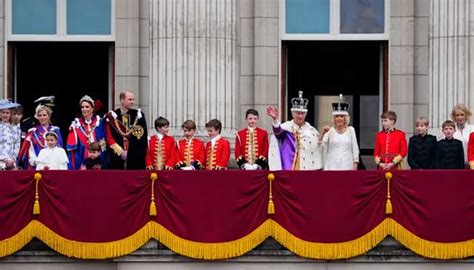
(287, 145)
(309, 151)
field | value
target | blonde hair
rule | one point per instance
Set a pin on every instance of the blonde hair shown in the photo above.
(422, 120)
(460, 107)
(347, 119)
(43, 108)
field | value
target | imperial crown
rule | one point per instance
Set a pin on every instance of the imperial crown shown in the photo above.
(299, 104)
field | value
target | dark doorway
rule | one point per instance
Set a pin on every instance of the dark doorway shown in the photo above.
(67, 70)
(325, 69)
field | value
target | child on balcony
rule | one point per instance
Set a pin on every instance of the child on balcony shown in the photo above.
(390, 144)
(52, 157)
(94, 161)
(161, 147)
(218, 149)
(422, 146)
(190, 153)
(449, 151)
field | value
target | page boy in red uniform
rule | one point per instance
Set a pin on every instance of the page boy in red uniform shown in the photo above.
(390, 144)
(218, 149)
(161, 153)
(251, 144)
(190, 152)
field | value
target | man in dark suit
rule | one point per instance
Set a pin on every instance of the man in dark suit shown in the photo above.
(126, 135)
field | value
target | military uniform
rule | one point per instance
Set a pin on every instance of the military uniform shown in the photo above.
(251, 147)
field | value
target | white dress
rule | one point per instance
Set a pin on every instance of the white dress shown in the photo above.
(340, 151)
(54, 158)
(463, 136)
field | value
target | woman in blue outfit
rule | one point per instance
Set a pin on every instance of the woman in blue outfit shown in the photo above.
(83, 131)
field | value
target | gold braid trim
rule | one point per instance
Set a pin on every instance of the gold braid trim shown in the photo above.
(118, 150)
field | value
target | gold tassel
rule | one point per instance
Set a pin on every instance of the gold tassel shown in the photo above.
(153, 212)
(152, 209)
(36, 207)
(271, 205)
(388, 204)
(388, 207)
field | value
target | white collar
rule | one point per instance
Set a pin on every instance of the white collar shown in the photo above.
(215, 139)
(160, 136)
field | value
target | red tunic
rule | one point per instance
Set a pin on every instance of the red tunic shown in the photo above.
(470, 151)
(390, 146)
(217, 157)
(161, 155)
(251, 149)
(191, 154)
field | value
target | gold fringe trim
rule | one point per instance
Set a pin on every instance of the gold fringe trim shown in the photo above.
(331, 251)
(215, 251)
(18, 241)
(430, 249)
(224, 250)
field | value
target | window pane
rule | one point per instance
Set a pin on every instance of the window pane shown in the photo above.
(34, 17)
(89, 17)
(369, 121)
(307, 16)
(362, 16)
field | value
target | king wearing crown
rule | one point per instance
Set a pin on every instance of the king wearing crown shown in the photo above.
(296, 145)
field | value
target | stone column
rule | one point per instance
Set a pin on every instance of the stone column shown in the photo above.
(193, 62)
(451, 43)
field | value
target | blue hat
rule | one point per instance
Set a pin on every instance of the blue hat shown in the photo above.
(7, 104)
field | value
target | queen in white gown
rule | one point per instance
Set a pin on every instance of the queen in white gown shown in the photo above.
(340, 148)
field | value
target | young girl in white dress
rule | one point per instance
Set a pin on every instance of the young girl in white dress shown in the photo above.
(340, 148)
(52, 157)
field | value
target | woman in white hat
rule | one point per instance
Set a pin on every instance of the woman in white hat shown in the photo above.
(9, 138)
(340, 148)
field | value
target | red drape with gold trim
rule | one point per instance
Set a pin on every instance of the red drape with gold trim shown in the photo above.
(223, 214)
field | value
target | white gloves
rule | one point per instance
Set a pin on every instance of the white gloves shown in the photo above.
(188, 168)
(252, 167)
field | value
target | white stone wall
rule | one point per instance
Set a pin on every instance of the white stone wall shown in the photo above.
(451, 54)
(401, 62)
(194, 62)
(409, 61)
(259, 51)
(132, 51)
